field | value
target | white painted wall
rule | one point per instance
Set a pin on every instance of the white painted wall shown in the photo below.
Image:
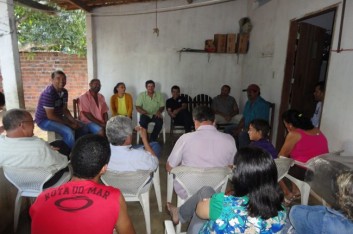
(270, 35)
(128, 51)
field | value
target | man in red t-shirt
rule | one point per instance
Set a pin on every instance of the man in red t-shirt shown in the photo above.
(83, 205)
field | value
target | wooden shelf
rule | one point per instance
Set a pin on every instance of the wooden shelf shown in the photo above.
(187, 50)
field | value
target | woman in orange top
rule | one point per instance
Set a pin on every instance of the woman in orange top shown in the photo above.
(121, 103)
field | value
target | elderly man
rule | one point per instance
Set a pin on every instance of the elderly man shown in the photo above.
(255, 108)
(19, 148)
(93, 108)
(83, 205)
(52, 113)
(150, 104)
(125, 157)
(225, 107)
(206, 147)
(177, 109)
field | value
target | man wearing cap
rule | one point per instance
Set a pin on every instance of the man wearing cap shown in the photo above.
(255, 108)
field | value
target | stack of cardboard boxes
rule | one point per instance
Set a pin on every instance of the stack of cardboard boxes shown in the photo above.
(228, 43)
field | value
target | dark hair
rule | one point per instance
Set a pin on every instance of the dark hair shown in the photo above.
(13, 118)
(255, 175)
(149, 82)
(116, 86)
(226, 86)
(261, 125)
(321, 86)
(297, 119)
(203, 113)
(175, 87)
(89, 154)
(2, 99)
(93, 80)
(57, 72)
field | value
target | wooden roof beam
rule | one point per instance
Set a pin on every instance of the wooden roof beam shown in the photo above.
(36, 6)
(81, 5)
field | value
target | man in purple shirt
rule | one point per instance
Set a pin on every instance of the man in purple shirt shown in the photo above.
(52, 113)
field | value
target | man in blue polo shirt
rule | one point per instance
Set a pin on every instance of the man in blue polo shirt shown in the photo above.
(255, 108)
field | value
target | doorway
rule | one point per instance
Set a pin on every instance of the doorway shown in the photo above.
(308, 52)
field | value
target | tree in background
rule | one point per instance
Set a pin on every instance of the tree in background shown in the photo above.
(63, 31)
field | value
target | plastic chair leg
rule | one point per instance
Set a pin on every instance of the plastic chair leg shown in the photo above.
(17, 211)
(157, 189)
(169, 187)
(180, 202)
(145, 203)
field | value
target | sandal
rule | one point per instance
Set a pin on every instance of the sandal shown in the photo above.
(173, 212)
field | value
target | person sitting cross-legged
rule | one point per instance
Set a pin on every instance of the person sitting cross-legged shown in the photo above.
(254, 207)
(150, 104)
(83, 205)
(126, 157)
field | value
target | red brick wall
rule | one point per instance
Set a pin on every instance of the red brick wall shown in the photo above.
(36, 69)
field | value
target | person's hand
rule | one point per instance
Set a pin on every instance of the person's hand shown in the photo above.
(159, 114)
(74, 125)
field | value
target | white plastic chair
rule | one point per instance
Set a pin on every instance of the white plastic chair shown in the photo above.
(150, 128)
(135, 186)
(192, 179)
(283, 164)
(29, 182)
(157, 188)
(169, 227)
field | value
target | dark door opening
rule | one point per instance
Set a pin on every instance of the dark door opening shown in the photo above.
(307, 61)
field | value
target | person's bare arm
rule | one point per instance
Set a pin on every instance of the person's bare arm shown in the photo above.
(140, 110)
(105, 117)
(168, 167)
(203, 209)
(54, 117)
(143, 133)
(235, 109)
(123, 224)
(183, 106)
(93, 119)
(291, 139)
(159, 112)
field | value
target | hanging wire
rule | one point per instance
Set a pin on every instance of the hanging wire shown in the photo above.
(156, 29)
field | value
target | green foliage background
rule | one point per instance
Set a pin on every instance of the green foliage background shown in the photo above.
(64, 31)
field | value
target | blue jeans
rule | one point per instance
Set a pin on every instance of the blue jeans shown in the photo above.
(64, 131)
(155, 147)
(93, 128)
(319, 219)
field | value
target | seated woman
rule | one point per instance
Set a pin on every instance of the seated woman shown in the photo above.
(121, 102)
(321, 219)
(302, 143)
(255, 206)
(259, 130)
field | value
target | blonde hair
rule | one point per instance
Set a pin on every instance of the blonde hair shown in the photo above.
(345, 193)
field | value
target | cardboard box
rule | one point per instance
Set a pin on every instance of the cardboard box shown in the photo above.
(243, 43)
(220, 42)
(231, 41)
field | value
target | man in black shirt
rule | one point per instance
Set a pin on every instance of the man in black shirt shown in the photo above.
(177, 109)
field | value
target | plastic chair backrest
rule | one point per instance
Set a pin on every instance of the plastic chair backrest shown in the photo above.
(192, 179)
(27, 179)
(129, 183)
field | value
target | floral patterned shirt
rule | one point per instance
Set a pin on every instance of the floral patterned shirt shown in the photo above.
(228, 214)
